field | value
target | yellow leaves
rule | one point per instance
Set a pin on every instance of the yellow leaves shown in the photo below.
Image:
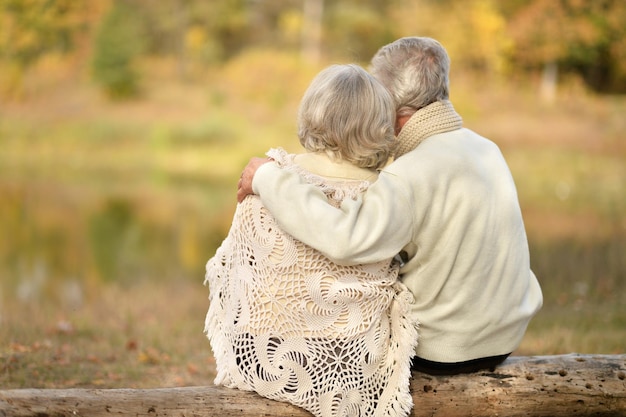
(473, 32)
(33, 24)
(490, 40)
(195, 38)
(30, 29)
(151, 356)
(290, 24)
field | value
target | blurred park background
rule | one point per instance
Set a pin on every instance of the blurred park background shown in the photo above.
(124, 125)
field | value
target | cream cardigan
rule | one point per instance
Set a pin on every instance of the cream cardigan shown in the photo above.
(450, 205)
(291, 325)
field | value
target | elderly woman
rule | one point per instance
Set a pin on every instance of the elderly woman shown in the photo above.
(284, 320)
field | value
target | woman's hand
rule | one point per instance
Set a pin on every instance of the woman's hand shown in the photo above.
(244, 187)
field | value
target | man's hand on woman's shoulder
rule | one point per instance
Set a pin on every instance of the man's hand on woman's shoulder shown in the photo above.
(244, 187)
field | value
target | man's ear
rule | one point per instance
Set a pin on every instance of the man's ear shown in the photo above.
(400, 121)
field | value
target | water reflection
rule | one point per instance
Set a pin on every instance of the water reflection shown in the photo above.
(60, 242)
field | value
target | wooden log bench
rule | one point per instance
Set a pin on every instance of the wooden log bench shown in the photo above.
(562, 385)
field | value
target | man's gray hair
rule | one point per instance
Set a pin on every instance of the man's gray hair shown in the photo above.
(415, 70)
(349, 115)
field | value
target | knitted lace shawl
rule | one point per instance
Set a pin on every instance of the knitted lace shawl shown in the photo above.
(288, 323)
(437, 117)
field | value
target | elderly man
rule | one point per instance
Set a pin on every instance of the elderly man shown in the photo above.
(447, 205)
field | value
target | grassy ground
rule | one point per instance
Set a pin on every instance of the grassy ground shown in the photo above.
(111, 211)
(144, 335)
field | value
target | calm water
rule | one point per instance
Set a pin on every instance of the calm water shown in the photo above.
(58, 239)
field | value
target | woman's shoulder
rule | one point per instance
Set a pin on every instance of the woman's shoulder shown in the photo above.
(337, 179)
(321, 166)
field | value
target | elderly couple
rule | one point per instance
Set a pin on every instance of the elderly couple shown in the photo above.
(395, 221)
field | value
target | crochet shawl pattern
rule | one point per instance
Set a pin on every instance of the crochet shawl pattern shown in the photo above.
(286, 322)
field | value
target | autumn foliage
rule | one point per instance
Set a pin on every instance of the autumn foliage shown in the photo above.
(586, 38)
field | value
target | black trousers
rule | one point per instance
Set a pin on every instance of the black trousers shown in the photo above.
(455, 368)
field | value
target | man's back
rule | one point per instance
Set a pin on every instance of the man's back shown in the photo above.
(467, 263)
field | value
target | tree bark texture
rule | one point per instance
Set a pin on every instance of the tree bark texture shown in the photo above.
(561, 385)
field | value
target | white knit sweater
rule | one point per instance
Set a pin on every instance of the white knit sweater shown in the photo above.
(451, 206)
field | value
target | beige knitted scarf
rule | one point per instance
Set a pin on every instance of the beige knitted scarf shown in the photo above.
(437, 117)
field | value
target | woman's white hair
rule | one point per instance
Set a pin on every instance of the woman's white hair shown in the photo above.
(349, 115)
(415, 70)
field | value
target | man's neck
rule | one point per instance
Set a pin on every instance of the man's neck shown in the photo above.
(437, 117)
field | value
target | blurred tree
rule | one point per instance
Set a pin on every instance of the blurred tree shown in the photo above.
(473, 32)
(195, 32)
(266, 75)
(33, 28)
(164, 26)
(311, 31)
(265, 20)
(228, 25)
(112, 235)
(355, 29)
(585, 37)
(117, 46)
